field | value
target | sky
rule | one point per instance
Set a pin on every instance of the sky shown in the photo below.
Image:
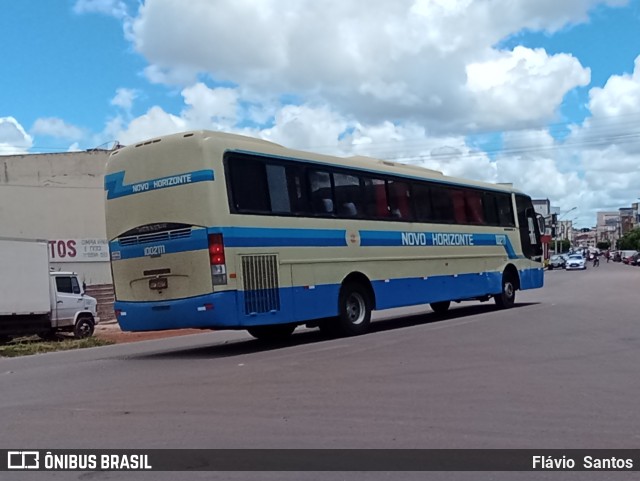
(544, 94)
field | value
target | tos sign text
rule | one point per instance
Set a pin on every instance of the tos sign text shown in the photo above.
(78, 250)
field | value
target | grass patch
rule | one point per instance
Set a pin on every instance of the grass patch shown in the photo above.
(27, 346)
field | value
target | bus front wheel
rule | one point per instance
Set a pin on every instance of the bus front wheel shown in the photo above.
(507, 297)
(277, 332)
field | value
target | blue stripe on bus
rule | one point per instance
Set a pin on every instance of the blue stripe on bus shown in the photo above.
(225, 310)
(435, 239)
(273, 237)
(115, 186)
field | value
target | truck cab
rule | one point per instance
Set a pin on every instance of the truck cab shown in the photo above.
(71, 309)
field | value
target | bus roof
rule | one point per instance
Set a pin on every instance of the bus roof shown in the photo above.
(241, 143)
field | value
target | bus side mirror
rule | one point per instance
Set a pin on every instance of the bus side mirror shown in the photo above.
(541, 224)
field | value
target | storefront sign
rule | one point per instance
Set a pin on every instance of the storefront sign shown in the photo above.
(79, 250)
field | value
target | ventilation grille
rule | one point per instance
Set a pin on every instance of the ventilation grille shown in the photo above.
(155, 237)
(260, 280)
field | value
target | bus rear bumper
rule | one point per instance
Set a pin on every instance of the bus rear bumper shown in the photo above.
(217, 310)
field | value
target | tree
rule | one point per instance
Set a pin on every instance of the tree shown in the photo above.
(564, 245)
(630, 241)
(603, 245)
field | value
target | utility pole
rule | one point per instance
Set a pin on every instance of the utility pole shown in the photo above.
(556, 218)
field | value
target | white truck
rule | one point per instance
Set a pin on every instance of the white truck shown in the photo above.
(36, 300)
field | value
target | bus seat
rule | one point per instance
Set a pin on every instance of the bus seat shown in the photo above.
(327, 205)
(348, 209)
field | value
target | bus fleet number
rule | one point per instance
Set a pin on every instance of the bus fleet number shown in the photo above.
(154, 250)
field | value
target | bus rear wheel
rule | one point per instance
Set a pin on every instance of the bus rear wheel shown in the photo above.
(507, 297)
(354, 312)
(277, 332)
(440, 307)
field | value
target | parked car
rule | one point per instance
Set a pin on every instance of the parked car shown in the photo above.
(576, 261)
(557, 262)
(627, 255)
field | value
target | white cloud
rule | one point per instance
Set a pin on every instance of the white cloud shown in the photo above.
(205, 104)
(426, 60)
(114, 8)
(13, 138)
(306, 127)
(75, 147)
(124, 98)
(405, 80)
(58, 128)
(608, 142)
(522, 86)
(152, 124)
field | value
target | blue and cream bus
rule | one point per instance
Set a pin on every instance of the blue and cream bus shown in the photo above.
(214, 230)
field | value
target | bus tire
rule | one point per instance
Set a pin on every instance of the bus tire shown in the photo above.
(507, 297)
(354, 310)
(440, 307)
(276, 332)
(84, 327)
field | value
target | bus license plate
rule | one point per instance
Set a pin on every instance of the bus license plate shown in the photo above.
(158, 284)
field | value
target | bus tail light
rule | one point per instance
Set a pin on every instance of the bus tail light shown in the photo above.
(217, 260)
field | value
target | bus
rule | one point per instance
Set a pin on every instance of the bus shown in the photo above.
(221, 231)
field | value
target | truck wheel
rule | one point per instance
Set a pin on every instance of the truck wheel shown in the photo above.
(84, 328)
(277, 332)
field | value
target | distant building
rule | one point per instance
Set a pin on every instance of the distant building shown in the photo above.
(542, 207)
(585, 238)
(564, 230)
(608, 226)
(627, 219)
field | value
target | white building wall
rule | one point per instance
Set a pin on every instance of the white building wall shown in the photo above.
(56, 197)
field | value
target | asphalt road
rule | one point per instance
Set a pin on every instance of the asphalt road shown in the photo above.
(559, 370)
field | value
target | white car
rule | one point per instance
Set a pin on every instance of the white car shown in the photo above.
(575, 261)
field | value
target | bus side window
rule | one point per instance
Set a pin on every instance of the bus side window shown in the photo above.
(399, 200)
(249, 185)
(376, 205)
(297, 192)
(422, 202)
(442, 204)
(457, 196)
(320, 192)
(278, 191)
(473, 206)
(505, 210)
(348, 195)
(490, 207)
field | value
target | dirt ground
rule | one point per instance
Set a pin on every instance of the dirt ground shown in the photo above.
(111, 332)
